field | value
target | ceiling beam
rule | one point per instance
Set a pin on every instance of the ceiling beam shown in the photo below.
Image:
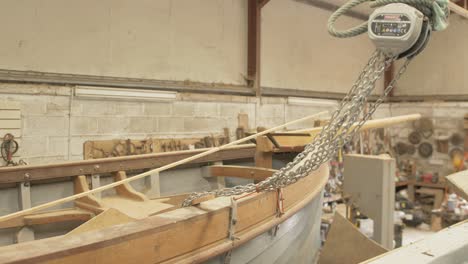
(254, 12)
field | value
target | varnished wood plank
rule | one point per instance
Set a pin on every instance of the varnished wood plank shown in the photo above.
(15, 222)
(57, 217)
(264, 144)
(109, 217)
(200, 255)
(284, 140)
(241, 172)
(76, 168)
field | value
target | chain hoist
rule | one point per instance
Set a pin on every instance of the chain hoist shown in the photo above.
(399, 29)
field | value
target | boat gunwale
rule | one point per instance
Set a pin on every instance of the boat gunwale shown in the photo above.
(31, 173)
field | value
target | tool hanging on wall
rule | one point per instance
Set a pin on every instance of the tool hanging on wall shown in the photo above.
(456, 139)
(425, 149)
(8, 148)
(424, 126)
(414, 138)
(442, 144)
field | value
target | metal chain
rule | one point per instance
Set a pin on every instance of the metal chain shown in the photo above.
(341, 129)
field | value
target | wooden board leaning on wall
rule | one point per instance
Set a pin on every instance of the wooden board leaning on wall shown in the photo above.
(95, 149)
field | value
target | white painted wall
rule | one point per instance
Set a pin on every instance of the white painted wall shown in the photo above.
(196, 40)
(298, 52)
(441, 68)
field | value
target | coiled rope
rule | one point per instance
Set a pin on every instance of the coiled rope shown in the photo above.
(437, 11)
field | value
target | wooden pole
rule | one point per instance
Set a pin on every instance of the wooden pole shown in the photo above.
(148, 173)
(377, 123)
(458, 10)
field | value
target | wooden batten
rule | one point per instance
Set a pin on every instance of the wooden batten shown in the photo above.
(293, 139)
(289, 140)
(177, 236)
(202, 199)
(264, 144)
(254, 173)
(15, 222)
(56, 216)
(109, 217)
(109, 165)
(264, 153)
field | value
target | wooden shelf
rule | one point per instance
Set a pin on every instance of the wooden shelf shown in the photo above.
(332, 198)
(430, 185)
(401, 183)
(335, 198)
(420, 184)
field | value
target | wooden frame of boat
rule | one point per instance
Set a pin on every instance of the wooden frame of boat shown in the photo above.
(200, 234)
(174, 236)
(177, 235)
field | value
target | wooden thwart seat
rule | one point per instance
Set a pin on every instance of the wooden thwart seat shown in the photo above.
(51, 217)
(127, 200)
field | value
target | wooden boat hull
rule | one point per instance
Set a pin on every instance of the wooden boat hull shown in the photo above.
(193, 234)
(297, 240)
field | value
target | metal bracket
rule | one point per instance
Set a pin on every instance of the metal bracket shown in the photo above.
(227, 257)
(232, 228)
(233, 219)
(25, 233)
(27, 179)
(279, 203)
(274, 230)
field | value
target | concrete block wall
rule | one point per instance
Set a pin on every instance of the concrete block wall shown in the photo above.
(44, 116)
(447, 119)
(55, 125)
